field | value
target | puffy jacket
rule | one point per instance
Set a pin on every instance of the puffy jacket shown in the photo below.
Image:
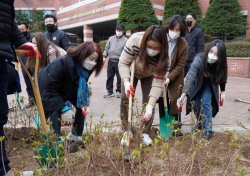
(58, 83)
(59, 38)
(9, 33)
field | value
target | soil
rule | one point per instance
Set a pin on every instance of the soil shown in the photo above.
(226, 154)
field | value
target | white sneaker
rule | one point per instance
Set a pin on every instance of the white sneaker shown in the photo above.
(124, 140)
(27, 173)
(72, 137)
(146, 139)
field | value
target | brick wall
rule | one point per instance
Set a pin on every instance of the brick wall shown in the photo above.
(238, 67)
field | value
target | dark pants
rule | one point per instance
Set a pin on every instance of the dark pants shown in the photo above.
(146, 87)
(26, 78)
(54, 113)
(111, 72)
(4, 109)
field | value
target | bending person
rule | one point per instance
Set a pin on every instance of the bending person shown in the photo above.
(207, 73)
(148, 49)
(66, 79)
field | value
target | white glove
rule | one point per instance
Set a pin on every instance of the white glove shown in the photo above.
(85, 110)
(148, 113)
(181, 101)
(223, 96)
(167, 81)
(129, 89)
(67, 118)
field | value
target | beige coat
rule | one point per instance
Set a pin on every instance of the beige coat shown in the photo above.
(130, 53)
(176, 73)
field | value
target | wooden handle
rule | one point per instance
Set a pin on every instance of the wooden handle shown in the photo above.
(164, 96)
(34, 84)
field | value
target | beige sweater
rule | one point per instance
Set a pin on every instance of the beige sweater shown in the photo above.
(130, 53)
(52, 53)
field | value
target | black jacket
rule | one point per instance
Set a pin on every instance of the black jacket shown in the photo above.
(9, 33)
(59, 38)
(58, 83)
(195, 40)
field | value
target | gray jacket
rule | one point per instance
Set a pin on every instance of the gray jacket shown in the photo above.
(193, 84)
(114, 47)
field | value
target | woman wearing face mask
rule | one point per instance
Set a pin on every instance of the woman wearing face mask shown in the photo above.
(148, 49)
(66, 79)
(177, 51)
(48, 50)
(208, 72)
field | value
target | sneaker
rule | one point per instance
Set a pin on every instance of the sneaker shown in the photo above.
(109, 94)
(146, 139)
(118, 95)
(27, 173)
(177, 129)
(74, 138)
(124, 140)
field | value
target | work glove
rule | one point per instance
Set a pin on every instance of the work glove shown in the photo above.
(180, 102)
(167, 81)
(30, 47)
(148, 113)
(222, 98)
(129, 89)
(67, 118)
(85, 110)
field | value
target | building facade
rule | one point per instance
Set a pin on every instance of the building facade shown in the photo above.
(95, 20)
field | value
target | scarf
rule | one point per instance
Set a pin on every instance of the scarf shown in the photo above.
(83, 88)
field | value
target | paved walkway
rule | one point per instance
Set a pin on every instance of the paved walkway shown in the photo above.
(231, 113)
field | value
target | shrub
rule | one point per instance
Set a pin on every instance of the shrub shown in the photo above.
(102, 44)
(238, 47)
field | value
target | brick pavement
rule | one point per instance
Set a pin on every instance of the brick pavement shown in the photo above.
(230, 113)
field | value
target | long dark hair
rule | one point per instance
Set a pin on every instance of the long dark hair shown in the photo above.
(43, 47)
(218, 70)
(82, 51)
(158, 34)
(173, 21)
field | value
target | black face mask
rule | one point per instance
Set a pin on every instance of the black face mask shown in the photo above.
(25, 33)
(50, 27)
(189, 23)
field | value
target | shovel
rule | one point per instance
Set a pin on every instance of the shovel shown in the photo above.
(50, 150)
(35, 87)
(166, 121)
(126, 157)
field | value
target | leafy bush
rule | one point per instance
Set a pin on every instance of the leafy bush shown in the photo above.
(239, 47)
(102, 44)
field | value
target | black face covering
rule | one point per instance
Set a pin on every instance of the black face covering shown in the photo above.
(189, 23)
(50, 27)
(25, 33)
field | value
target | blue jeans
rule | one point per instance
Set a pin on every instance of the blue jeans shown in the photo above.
(4, 110)
(203, 106)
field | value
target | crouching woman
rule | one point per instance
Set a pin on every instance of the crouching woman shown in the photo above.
(65, 79)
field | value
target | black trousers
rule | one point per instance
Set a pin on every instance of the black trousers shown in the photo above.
(111, 72)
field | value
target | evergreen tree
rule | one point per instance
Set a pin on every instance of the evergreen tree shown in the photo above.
(181, 7)
(137, 15)
(224, 17)
(33, 17)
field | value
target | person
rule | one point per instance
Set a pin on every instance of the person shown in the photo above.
(10, 37)
(24, 28)
(177, 51)
(194, 38)
(207, 73)
(66, 79)
(113, 50)
(55, 35)
(148, 50)
(48, 50)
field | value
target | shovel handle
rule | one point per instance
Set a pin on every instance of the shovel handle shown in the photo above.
(164, 96)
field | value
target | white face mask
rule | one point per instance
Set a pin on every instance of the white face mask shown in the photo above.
(174, 35)
(118, 33)
(152, 52)
(88, 64)
(211, 58)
